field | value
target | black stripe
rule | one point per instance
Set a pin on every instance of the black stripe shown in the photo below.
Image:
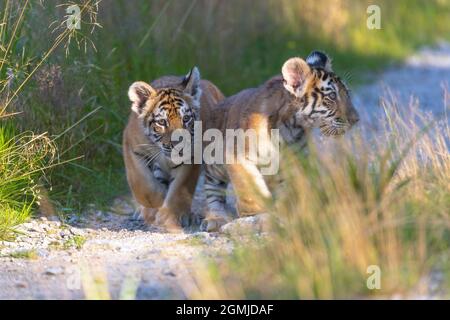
(314, 95)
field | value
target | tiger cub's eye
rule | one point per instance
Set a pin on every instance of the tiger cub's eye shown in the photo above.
(332, 95)
(186, 118)
(162, 122)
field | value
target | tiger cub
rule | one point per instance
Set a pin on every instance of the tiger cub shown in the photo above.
(163, 189)
(308, 94)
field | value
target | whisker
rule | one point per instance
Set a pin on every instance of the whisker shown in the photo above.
(150, 146)
(154, 157)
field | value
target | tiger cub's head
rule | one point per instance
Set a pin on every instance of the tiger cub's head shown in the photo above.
(324, 100)
(164, 110)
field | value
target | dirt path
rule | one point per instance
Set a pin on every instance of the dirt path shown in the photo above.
(50, 259)
(423, 76)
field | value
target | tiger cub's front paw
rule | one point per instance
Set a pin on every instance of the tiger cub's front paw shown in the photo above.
(149, 215)
(167, 220)
(213, 222)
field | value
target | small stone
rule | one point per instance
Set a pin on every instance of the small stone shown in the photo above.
(248, 225)
(122, 207)
(24, 245)
(42, 253)
(7, 244)
(169, 274)
(68, 258)
(77, 232)
(73, 219)
(54, 271)
(21, 284)
(27, 225)
(54, 219)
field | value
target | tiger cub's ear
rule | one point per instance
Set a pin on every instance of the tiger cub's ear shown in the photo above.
(318, 59)
(295, 71)
(139, 93)
(191, 84)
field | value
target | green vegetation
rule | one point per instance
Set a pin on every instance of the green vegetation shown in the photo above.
(25, 254)
(75, 242)
(196, 241)
(23, 157)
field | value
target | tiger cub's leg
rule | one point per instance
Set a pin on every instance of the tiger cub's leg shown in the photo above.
(175, 211)
(147, 190)
(148, 214)
(216, 182)
(250, 188)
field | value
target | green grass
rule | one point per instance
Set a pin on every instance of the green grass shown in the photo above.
(26, 157)
(11, 217)
(25, 254)
(194, 241)
(23, 158)
(75, 242)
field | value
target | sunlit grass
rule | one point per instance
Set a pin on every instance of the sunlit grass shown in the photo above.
(25, 157)
(380, 199)
(31, 254)
(10, 217)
